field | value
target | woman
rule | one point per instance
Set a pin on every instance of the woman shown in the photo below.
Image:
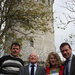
(54, 64)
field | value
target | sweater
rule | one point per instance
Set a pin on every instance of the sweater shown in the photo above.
(10, 65)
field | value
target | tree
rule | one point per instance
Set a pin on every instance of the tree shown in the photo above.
(32, 16)
(69, 17)
(68, 20)
(5, 6)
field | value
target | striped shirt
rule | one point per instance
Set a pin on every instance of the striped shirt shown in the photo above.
(10, 65)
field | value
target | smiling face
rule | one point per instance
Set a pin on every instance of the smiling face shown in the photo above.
(66, 51)
(53, 60)
(33, 58)
(15, 50)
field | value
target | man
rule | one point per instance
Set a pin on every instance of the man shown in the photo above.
(69, 64)
(28, 70)
(10, 64)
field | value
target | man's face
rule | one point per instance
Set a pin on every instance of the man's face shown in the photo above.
(66, 51)
(33, 58)
(15, 50)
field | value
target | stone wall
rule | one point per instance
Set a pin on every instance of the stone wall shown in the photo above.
(42, 42)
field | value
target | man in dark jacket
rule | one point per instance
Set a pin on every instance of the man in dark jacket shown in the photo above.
(28, 70)
(69, 64)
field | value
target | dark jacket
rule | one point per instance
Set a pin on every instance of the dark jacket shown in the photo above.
(25, 70)
(72, 68)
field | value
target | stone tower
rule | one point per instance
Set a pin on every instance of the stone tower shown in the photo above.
(39, 42)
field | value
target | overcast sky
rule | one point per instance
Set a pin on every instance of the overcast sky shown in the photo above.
(61, 34)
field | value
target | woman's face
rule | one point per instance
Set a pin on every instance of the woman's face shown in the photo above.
(53, 60)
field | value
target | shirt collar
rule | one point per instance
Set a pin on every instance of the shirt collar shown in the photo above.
(34, 64)
(71, 57)
(13, 56)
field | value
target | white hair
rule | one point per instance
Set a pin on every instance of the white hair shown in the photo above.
(34, 54)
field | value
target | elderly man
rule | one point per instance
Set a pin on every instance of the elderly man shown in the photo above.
(32, 68)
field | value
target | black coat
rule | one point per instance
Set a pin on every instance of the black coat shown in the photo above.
(72, 68)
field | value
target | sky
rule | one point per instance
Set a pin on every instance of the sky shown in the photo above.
(62, 34)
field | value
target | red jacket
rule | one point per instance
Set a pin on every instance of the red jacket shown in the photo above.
(60, 72)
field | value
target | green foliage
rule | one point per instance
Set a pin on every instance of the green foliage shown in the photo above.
(19, 40)
(32, 15)
(43, 1)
